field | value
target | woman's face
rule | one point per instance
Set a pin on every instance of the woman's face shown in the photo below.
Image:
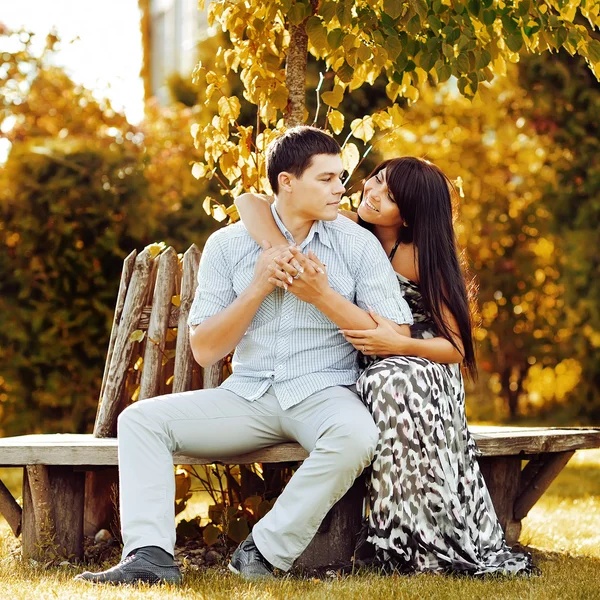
(377, 206)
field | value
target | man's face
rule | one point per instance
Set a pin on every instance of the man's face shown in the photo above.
(316, 194)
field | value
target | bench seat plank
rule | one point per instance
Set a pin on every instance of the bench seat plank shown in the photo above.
(84, 449)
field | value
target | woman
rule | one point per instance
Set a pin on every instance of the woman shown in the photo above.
(429, 508)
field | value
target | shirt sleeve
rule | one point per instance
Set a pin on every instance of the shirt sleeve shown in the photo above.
(377, 285)
(215, 283)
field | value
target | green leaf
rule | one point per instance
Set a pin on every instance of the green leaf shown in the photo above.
(296, 14)
(137, 336)
(474, 7)
(515, 41)
(489, 16)
(344, 13)
(443, 73)
(414, 25)
(452, 35)
(421, 8)
(462, 63)
(317, 34)
(483, 59)
(593, 51)
(393, 8)
(393, 47)
(426, 60)
(238, 529)
(335, 38)
(434, 23)
(345, 73)
(364, 53)
(327, 11)
(509, 24)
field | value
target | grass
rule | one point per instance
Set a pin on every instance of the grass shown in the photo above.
(562, 530)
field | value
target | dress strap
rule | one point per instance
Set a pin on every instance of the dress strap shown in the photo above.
(393, 252)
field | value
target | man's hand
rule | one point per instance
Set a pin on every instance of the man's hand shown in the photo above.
(303, 276)
(265, 266)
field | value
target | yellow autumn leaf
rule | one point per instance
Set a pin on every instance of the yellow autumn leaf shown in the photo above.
(350, 157)
(199, 170)
(155, 249)
(219, 213)
(363, 128)
(229, 107)
(137, 336)
(336, 120)
(207, 205)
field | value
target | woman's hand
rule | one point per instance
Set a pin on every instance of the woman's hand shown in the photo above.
(303, 276)
(382, 341)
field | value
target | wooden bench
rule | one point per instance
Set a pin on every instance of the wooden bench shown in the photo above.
(65, 474)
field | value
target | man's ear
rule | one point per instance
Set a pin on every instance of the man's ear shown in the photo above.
(284, 179)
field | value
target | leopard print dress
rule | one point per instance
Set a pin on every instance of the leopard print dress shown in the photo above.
(429, 507)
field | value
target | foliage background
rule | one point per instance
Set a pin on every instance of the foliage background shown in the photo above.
(82, 188)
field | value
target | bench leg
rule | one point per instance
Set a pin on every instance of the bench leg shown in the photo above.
(334, 542)
(100, 511)
(502, 475)
(53, 513)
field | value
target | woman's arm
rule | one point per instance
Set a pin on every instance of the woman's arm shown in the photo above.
(348, 213)
(255, 213)
(386, 340)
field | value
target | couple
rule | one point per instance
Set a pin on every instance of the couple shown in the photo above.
(296, 310)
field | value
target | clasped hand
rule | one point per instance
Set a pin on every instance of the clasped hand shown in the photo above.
(303, 275)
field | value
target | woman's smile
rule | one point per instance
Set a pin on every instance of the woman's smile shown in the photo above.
(369, 205)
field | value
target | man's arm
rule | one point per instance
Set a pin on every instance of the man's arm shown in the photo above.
(219, 319)
(313, 287)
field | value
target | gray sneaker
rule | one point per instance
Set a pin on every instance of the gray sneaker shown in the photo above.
(248, 562)
(146, 565)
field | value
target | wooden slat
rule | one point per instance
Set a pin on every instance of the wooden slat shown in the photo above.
(123, 349)
(507, 441)
(128, 265)
(84, 449)
(159, 320)
(184, 361)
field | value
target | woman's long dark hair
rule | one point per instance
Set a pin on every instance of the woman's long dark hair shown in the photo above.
(424, 196)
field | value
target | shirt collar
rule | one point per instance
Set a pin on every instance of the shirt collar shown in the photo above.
(317, 227)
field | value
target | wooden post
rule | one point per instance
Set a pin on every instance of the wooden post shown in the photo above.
(52, 513)
(184, 361)
(106, 419)
(502, 476)
(213, 376)
(334, 542)
(159, 322)
(128, 265)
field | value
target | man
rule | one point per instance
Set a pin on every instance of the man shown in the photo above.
(292, 370)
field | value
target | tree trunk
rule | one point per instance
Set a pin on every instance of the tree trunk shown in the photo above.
(295, 75)
(295, 72)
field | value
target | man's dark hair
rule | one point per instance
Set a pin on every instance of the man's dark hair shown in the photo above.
(292, 152)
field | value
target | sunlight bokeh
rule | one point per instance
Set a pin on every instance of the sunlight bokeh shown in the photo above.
(101, 44)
